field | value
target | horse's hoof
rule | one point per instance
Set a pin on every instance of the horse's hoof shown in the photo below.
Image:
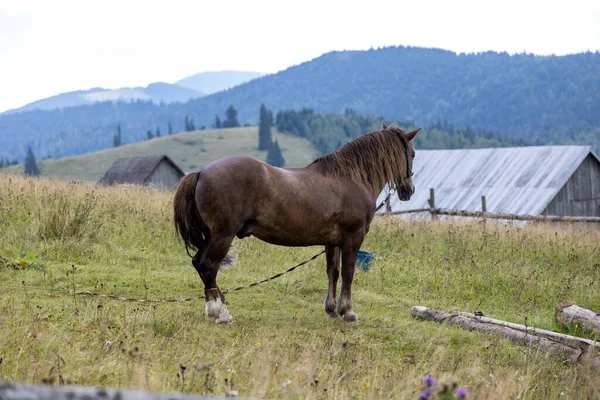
(224, 318)
(350, 316)
(330, 310)
(214, 308)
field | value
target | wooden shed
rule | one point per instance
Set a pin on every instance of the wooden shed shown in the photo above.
(154, 170)
(521, 180)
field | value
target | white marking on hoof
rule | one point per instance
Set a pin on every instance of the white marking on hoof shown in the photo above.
(350, 316)
(213, 308)
(224, 316)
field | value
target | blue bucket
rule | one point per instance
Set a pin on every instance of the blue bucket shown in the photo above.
(364, 259)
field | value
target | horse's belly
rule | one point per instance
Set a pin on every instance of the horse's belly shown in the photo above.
(297, 236)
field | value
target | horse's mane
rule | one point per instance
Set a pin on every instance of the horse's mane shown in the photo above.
(373, 159)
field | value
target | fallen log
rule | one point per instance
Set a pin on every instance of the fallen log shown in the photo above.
(573, 314)
(575, 350)
(17, 391)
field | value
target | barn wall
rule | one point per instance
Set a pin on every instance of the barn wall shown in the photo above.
(164, 175)
(583, 187)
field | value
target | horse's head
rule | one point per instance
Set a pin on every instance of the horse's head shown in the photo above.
(404, 184)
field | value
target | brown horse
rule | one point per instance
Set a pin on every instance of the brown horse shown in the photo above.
(331, 202)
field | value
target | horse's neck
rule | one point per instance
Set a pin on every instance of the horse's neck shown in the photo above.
(373, 190)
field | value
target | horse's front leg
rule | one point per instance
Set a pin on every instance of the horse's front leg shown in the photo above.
(333, 273)
(344, 305)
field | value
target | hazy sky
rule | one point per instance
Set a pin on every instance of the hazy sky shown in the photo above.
(50, 47)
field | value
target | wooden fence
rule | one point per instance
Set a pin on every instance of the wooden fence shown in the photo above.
(484, 214)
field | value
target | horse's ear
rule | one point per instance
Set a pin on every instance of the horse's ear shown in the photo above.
(384, 125)
(411, 135)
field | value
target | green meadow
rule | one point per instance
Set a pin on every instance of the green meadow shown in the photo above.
(191, 151)
(71, 237)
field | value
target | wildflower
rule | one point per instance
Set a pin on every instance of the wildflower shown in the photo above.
(257, 344)
(461, 393)
(429, 381)
(367, 385)
(425, 395)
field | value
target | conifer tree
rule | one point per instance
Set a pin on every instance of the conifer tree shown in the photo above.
(264, 129)
(117, 137)
(274, 156)
(231, 120)
(149, 134)
(217, 124)
(170, 128)
(31, 164)
(157, 131)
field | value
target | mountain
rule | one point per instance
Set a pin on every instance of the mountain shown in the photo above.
(216, 81)
(541, 99)
(521, 95)
(156, 92)
(171, 93)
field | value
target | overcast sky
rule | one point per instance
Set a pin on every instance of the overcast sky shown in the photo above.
(53, 46)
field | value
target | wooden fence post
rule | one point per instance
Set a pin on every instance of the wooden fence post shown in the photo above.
(432, 204)
(483, 205)
(388, 206)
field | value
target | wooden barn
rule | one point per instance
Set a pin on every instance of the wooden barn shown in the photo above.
(154, 170)
(522, 180)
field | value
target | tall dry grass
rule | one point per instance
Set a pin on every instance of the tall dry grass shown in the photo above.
(282, 344)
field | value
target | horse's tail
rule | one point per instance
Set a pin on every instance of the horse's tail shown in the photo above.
(187, 219)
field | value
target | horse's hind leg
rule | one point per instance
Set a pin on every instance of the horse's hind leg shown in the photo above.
(208, 269)
(333, 273)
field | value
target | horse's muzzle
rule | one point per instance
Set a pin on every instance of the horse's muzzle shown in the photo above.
(406, 193)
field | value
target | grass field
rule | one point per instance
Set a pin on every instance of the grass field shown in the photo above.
(191, 151)
(282, 344)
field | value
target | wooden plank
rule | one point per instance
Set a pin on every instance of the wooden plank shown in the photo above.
(575, 350)
(414, 211)
(571, 208)
(548, 218)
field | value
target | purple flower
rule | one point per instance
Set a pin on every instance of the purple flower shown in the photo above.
(461, 393)
(425, 395)
(429, 381)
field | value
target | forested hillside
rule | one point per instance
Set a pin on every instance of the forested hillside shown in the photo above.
(542, 100)
(329, 131)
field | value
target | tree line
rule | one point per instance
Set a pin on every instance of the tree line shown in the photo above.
(329, 131)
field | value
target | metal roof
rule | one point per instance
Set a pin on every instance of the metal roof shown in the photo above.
(135, 170)
(518, 180)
